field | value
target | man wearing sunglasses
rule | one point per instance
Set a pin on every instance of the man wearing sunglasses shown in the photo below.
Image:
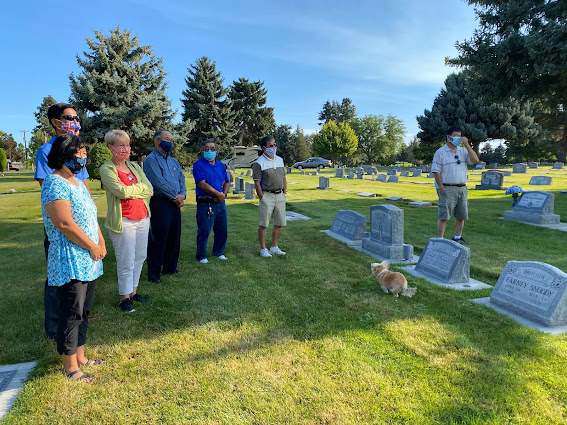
(63, 118)
(451, 173)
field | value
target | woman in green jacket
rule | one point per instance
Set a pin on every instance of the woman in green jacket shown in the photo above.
(128, 193)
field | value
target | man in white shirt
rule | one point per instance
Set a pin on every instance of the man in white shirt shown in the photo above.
(450, 170)
(270, 181)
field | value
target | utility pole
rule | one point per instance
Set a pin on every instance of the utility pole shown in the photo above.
(25, 148)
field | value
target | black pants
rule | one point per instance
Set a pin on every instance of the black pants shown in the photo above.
(50, 302)
(75, 303)
(164, 240)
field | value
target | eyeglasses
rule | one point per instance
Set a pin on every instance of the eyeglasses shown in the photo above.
(458, 160)
(69, 118)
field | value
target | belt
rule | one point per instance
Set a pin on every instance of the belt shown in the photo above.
(158, 195)
(274, 191)
(455, 185)
(202, 199)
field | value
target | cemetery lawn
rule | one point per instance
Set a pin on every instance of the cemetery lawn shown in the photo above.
(306, 338)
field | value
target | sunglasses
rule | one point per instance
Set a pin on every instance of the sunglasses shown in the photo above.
(69, 118)
(458, 160)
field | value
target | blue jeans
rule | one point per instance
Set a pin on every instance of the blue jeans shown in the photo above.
(218, 222)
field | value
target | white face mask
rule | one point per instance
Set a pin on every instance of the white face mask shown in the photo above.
(271, 151)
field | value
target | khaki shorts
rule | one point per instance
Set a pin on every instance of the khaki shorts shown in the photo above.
(453, 202)
(272, 204)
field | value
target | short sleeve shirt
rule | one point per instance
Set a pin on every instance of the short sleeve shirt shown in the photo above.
(270, 172)
(445, 162)
(67, 260)
(213, 174)
(41, 168)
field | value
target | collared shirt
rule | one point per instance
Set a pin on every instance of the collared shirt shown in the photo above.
(270, 172)
(214, 175)
(445, 163)
(41, 168)
(165, 175)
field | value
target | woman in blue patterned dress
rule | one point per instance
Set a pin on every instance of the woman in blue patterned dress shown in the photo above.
(76, 249)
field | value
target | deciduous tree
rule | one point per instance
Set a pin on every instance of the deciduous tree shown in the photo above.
(335, 140)
(379, 139)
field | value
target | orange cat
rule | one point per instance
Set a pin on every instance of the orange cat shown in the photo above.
(393, 282)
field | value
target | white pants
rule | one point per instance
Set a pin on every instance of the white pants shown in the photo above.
(130, 247)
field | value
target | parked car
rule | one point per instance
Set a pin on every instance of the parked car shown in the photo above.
(315, 162)
(243, 157)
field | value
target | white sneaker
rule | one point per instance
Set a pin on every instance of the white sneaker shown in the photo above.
(265, 253)
(222, 257)
(204, 261)
(276, 251)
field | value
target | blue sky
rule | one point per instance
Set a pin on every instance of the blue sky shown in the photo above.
(387, 56)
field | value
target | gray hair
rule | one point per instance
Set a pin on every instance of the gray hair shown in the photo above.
(209, 141)
(113, 136)
(157, 134)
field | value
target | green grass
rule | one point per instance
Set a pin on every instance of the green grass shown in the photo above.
(307, 338)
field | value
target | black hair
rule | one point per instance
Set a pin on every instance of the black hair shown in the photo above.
(452, 129)
(55, 111)
(64, 148)
(265, 140)
(157, 134)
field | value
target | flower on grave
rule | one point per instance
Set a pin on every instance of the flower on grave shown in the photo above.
(515, 191)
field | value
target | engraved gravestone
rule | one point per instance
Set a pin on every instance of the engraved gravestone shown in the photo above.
(397, 168)
(250, 191)
(381, 177)
(349, 224)
(532, 164)
(404, 174)
(557, 166)
(288, 170)
(340, 172)
(534, 207)
(445, 260)
(360, 174)
(393, 179)
(479, 166)
(387, 233)
(491, 180)
(416, 173)
(493, 165)
(520, 168)
(430, 176)
(238, 186)
(540, 181)
(534, 290)
(507, 173)
(392, 172)
(350, 176)
(323, 183)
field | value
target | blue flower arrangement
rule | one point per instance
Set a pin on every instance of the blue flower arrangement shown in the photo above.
(515, 191)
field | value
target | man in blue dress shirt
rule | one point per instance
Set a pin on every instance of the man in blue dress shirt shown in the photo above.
(211, 186)
(64, 119)
(168, 181)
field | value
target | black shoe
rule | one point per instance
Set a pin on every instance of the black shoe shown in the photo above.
(157, 282)
(460, 240)
(138, 298)
(126, 306)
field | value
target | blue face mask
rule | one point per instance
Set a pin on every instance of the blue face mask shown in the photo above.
(209, 155)
(456, 141)
(166, 146)
(76, 165)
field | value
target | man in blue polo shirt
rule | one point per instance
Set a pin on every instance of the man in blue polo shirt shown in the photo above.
(167, 178)
(64, 119)
(211, 186)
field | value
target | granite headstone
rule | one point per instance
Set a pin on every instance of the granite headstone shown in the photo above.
(540, 181)
(387, 233)
(445, 261)
(491, 180)
(534, 207)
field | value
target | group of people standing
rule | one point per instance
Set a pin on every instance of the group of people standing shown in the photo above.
(143, 221)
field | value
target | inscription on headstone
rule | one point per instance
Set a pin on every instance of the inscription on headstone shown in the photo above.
(557, 166)
(340, 172)
(393, 179)
(445, 260)
(491, 180)
(534, 207)
(323, 182)
(288, 170)
(350, 176)
(540, 181)
(532, 164)
(381, 177)
(238, 186)
(520, 168)
(392, 172)
(416, 173)
(536, 291)
(349, 224)
(404, 174)
(250, 191)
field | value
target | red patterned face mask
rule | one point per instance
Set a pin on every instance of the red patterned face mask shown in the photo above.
(122, 152)
(70, 127)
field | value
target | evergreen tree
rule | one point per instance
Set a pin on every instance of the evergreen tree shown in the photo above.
(379, 139)
(253, 120)
(205, 102)
(37, 140)
(487, 153)
(338, 112)
(479, 120)
(408, 152)
(43, 123)
(520, 50)
(283, 136)
(499, 154)
(99, 154)
(335, 140)
(122, 86)
(298, 149)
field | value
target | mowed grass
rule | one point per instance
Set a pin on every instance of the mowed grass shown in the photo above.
(308, 338)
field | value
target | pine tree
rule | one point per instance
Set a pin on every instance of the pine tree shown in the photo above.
(338, 112)
(205, 102)
(298, 148)
(43, 123)
(252, 118)
(283, 137)
(122, 86)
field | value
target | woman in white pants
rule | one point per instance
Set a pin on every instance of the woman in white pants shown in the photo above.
(128, 193)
